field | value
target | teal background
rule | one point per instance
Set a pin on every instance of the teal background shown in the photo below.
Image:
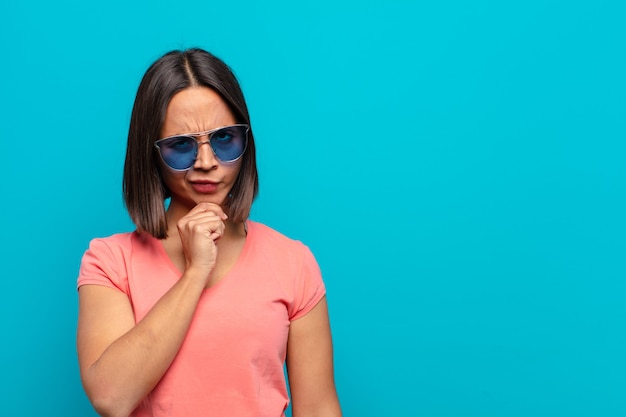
(458, 168)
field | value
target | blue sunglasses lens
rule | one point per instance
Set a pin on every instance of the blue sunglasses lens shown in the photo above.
(229, 143)
(180, 152)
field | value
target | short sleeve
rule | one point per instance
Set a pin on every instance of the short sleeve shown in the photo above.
(103, 265)
(309, 286)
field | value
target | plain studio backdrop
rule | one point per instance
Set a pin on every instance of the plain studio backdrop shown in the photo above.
(458, 168)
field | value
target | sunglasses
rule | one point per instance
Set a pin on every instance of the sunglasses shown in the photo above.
(180, 152)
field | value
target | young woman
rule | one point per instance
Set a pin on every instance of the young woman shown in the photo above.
(196, 312)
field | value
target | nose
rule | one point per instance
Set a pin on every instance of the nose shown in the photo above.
(206, 159)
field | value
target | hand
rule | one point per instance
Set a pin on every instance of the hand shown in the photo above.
(199, 231)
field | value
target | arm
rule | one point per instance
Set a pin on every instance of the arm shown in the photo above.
(121, 361)
(310, 365)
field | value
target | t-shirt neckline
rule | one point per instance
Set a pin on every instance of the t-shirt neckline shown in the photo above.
(178, 273)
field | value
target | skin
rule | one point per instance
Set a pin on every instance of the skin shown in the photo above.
(120, 361)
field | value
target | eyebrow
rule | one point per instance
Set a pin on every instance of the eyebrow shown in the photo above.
(206, 132)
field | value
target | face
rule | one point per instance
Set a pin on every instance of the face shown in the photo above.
(198, 109)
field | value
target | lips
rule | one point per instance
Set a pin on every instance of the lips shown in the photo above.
(204, 187)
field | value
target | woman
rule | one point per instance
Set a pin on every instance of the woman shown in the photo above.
(196, 312)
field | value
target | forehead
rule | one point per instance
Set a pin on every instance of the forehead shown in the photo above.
(196, 109)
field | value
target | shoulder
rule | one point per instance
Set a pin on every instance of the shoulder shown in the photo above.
(291, 265)
(268, 238)
(280, 251)
(108, 260)
(116, 242)
(104, 262)
(120, 247)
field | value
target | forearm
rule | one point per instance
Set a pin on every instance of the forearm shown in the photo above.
(325, 408)
(319, 400)
(132, 365)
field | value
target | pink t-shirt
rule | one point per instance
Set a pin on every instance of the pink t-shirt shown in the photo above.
(231, 361)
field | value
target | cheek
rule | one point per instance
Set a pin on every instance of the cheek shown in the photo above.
(171, 178)
(232, 171)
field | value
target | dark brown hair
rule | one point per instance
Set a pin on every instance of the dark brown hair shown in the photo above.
(144, 191)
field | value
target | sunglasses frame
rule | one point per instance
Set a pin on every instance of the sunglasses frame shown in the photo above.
(209, 133)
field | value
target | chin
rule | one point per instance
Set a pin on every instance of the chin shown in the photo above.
(210, 199)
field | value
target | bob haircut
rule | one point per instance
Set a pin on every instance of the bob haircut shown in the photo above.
(143, 188)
